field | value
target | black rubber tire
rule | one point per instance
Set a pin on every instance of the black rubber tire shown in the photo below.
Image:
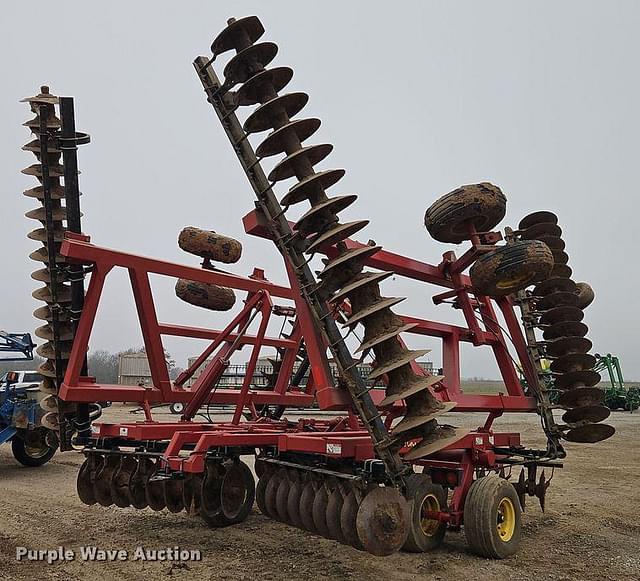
(421, 492)
(511, 268)
(484, 205)
(585, 294)
(481, 517)
(22, 454)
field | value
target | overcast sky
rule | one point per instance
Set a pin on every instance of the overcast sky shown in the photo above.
(540, 98)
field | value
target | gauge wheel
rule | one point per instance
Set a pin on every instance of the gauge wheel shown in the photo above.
(511, 268)
(481, 205)
(493, 518)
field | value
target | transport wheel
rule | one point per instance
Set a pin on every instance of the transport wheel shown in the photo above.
(261, 487)
(348, 517)
(86, 476)
(211, 500)
(138, 483)
(33, 448)
(293, 501)
(237, 491)
(483, 205)
(271, 491)
(510, 268)
(173, 489)
(425, 534)
(306, 505)
(154, 491)
(585, 294)
(120, 481)
(492, 518)
(102, 483)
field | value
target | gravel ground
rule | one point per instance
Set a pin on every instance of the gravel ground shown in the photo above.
(590, 530)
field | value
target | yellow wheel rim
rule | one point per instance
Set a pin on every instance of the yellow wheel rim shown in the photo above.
(513, 281)
(428, 525)
(506, 519)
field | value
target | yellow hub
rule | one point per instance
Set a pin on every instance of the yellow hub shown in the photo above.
(506, 519)
(513, 281)
(428, 525)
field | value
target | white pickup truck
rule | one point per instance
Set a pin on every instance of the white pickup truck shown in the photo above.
(21, 379)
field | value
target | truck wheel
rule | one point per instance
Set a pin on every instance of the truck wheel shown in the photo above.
(510, 268)
(483, 205)
(31, 448)
(493, 518)
(424, 496)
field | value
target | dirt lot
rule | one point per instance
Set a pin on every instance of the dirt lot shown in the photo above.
(591, 529)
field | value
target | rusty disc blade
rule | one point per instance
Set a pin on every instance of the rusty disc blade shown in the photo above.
(282, 498)
(585, 294)
(102, 481)
(430, 446)
(565, 329)
(293, 503)
(361, 280)
(393, 332)
(306, 506)
(316, 218)
(57, 192)
(237, 491)
(537, 218)
(65, 333)
(581, 396)
(138, 483)
(43, 275)
(409, 422)
(273, 80)
(271, 491)
(336, 234)
(84, 482)
(248, 61)
(47, 350)
(383, 521)
(40, 235)
(55, 171)
(261, 487)
(560, 257)
(564, 345)
(49, 403)
(557, 299)
(44, 314)
(561, 270)
(63, 294)
(319, 511)
(555, 284)
(42, 255)
(573, 362)
(279, 140)
(402, 359)
(249, 28)
(308, 156)
(155, 492)
(311, 185)
(51, 420)
(591, 414)
(541, 229)
(380, 305)
(266, 116)
(334, 509)
(57, 214)
(173, 494)
(590, 434)
(574, 379)
(559, 314)
(409, 389)
(120, 481)
(48, 385)
(348, 520)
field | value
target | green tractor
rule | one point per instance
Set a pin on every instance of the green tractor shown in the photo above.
(617, 396)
